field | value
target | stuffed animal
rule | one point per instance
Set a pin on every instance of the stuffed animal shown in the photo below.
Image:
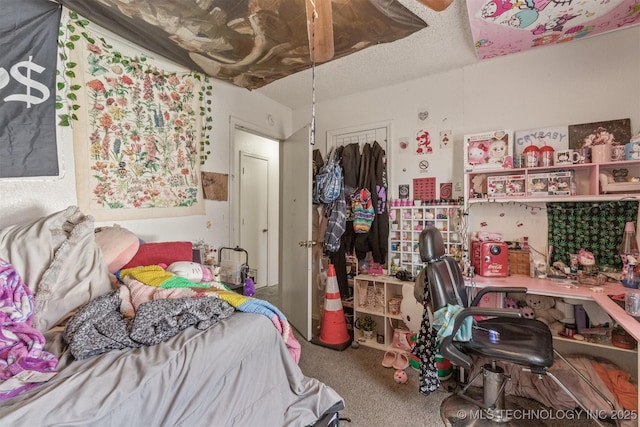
(497, 150)
(510, 303)
(544, 310)
(527, 312)
(193, 271)
(586, 258)
(400, 376)
(118, 246)
(477, 154)
(249, 287)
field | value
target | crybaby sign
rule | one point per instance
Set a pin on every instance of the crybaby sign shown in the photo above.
(556, 137)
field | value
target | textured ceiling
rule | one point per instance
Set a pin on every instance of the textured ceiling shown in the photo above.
(444, 45)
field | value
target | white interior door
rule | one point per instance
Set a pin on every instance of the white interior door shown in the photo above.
(254, 208)
(295, 226)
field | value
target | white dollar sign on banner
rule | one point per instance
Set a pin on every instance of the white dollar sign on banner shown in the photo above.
(4, 78)
(29, 83)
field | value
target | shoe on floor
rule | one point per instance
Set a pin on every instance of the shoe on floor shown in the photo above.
(389, 359)
(401, 362)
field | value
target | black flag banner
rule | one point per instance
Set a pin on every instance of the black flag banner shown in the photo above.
(29, 31)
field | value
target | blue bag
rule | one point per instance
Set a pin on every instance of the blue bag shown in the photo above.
(328, 183)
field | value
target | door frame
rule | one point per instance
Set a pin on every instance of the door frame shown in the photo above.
(234, 163)
(255, 258)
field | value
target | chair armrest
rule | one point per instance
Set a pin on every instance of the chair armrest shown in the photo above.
(488, 289)
(450, 352)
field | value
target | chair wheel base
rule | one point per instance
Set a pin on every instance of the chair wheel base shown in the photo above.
(459, 412)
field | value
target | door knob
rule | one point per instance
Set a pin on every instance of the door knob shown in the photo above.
(264, 230)
(307, 243)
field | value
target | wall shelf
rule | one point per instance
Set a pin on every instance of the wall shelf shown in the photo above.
(586, 178)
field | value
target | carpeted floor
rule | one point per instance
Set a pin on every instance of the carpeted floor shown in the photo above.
(374, 399)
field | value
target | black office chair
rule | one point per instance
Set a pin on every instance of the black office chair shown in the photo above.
(505, 336)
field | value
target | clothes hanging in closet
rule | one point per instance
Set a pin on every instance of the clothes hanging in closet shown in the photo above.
(373, 176)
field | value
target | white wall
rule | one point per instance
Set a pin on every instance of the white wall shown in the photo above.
(578, 82)
(24, 200)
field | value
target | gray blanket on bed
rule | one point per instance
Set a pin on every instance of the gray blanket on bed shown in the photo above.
(99, 326)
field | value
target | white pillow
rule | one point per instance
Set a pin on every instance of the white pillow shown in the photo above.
(57, 258)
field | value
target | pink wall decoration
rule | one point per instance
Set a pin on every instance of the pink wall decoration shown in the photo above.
(501, 27)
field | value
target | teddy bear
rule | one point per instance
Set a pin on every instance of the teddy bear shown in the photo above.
(497, 150)
(544, 311)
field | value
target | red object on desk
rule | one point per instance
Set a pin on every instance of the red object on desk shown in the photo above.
(490, 259)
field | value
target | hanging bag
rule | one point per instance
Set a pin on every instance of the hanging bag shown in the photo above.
(328, 181)
(362, 210)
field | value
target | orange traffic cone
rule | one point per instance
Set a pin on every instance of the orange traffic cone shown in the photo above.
(333, 328)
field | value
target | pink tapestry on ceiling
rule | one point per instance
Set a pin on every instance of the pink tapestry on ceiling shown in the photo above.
(500, 27)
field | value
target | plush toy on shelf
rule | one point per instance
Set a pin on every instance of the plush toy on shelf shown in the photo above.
(544, 310)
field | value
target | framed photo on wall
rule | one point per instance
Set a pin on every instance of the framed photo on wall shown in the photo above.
(615, 132)
(488, 150)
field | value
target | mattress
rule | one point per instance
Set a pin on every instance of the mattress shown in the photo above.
(237, 373)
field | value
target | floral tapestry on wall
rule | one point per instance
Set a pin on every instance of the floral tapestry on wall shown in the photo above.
(137, 136)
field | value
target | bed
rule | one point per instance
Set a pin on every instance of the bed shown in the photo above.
(236, 370)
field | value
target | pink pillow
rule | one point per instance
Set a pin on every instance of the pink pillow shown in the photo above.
(118, 246)
(161, 253)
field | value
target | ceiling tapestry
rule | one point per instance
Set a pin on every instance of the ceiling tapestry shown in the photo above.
(248, 43)
(501, 27)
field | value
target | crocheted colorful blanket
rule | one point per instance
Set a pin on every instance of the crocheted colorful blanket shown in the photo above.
(23, 362)
(155, 275)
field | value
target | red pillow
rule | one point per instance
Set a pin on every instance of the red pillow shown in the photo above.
(161, 253)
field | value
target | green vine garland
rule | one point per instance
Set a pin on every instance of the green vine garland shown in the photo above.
(67, 39)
